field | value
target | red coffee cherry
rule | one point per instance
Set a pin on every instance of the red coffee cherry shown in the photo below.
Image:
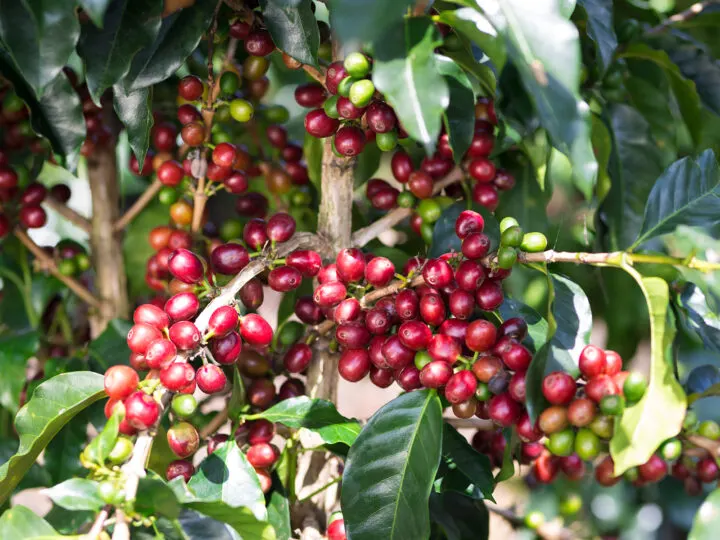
(229, 259)
(481, 335)
(350, 263)
(613, 363)
(347, 110)
(185, 266)
(237, 182)
(262, 455)
(352, 336)
(592, 361)
(8, 178)
(190, 88)
(409, 378)
(432, 309)
(354, 364)
(223, 320)
(185, 335)
(180, 467)
(486, 367)
(335, 74)
(653, 470)
(707, 470)
(311, 95)
(402, 166)
(259, 43)
(224, 155)
(32, 216)
(489, 295)
(254, 234)
(469, 275)
(261, 431)
(486, 195)
(420, 184)
(442, 347)
(599, 387)
(277, 136)
(504, 181)
(183, 439)
(120, 381)
(527, 431)
(559, 388)
(226, 350)
(320, 125)
(382, 378)
(284, 279)
(379, 271)
(437, 273)
(261, 393)
(34, 194)
(297, 358)
(475, 245)
(461, 386)
(280, 227)
(516, 386)
(407, 304)
(170, 173)
(177, 376)
(468, 222)
(581, 412)
(141, 410)
(210, 379)
(517, 357)
(436, 374)
(182, 306)
(160, 353)
(482, 170)
(347, 311)
(251, 295)
(481, 145)
(414, 335)
(329, 294)
(504, 410)
(140, 336)
(152, 315)
(307, 262)
(397, 355)
(255, 330)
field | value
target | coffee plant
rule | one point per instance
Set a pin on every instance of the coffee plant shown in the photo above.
(216, 216)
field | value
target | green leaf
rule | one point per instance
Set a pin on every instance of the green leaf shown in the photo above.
(313, 151)
(459, 517)
(544, 47)
(134, 109)
(635, 164)
(361, 21)
(475, 466)
(317, 415)
(687, 193)
(600, 29)
(226, 476)
(569, 327)
(537, 325)
(156, 497)
(460, 125)
(390, 470)
(15, 350)
(475, 26)
(160, 455)
(76, 494)
(279, 515)
(444, 238)
(700, 317)
(62, 454)
(638, 434)
(40, 37)
(103, 443)
(685, 91)
(128, 26)
(408, 75)
(110, 348)
(242, 520)
(238, 396)
(702, 69)
(53, 404)
(95, 10)
(367, 163)
(178, 37)
(21, 523)
(526, 202)
(57, 114)
(293, 29)
(707, 518)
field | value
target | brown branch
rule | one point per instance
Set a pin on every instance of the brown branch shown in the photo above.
(392, 218)
(394, 287)
(147, 196)
(215, 423)
(48, 263)
(684, 16)
(68, 213)
(318, 75)
(710, 446)
(99, 524)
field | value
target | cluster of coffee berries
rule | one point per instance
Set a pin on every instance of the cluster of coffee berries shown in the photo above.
(71, 258)
(23, 205)
(350, 106)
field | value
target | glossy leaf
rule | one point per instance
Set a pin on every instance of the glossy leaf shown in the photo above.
(279, 515)
(702, 69)
(242, 520)
(110, 348)
(360, 21)
(76, 494)
(707, 519)
(160, 454)
(128, 26)
(444, 238)
(459, 124)
(317, 415)
(543, 45)
(367, 163)
(178, 37)
(527, 201)
(391, 468)
(459, 517)
(226, 476)
(156, 497)
(238, 398)
(412, 84)
(687, 193)
(134, 109)
(635, 164)
(600, 28)
(19, 522)
(700, 317)
(62, 454)
(569, 326)
(475, 466)
(537, 325)
(15, 350)
(692, 242)
(95, 10)
(103, 443)
(686, 93)
(475, 26)
(293, 29)
(53, 404)
(57, 114)
(638, 434)
(40, 37)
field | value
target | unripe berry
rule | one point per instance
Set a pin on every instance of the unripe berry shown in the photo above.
(183, 439)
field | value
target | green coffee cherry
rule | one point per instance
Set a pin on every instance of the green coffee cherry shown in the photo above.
(290, 333)
(671, 449)
(67, 267)
(512, 236)
(222, 114)
(612, 405)
(277, 114)
(109, 493)
(508, 222)
(482, 393)
(631, 475)
(587, 444)
(444, 201)
(220, 136)
(570, 504)
(345, 85)
(691, 421)
(184, 405)
(386, 141)
(121, 451)
(241, 110)
(426, 231)
(361, 92)
(506, 257)
(168, 195)
(534, 242)
(422, 359)
(709, 429)
(231, 229)
(229, 83)
(12, 102)
(406, 200)
(82, 261)
(561, 443)
(634, 386)
(301, 198)
(357, 65)
(330, 107)
(534, 519)
(603, 426)
(429, 210)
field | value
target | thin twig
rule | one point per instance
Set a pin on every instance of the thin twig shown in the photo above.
(138, 206)
(690, 13)
(315, 73)
(48, 263)
(712, 447)
(215, 423)
(68, 213)
(99, 524)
